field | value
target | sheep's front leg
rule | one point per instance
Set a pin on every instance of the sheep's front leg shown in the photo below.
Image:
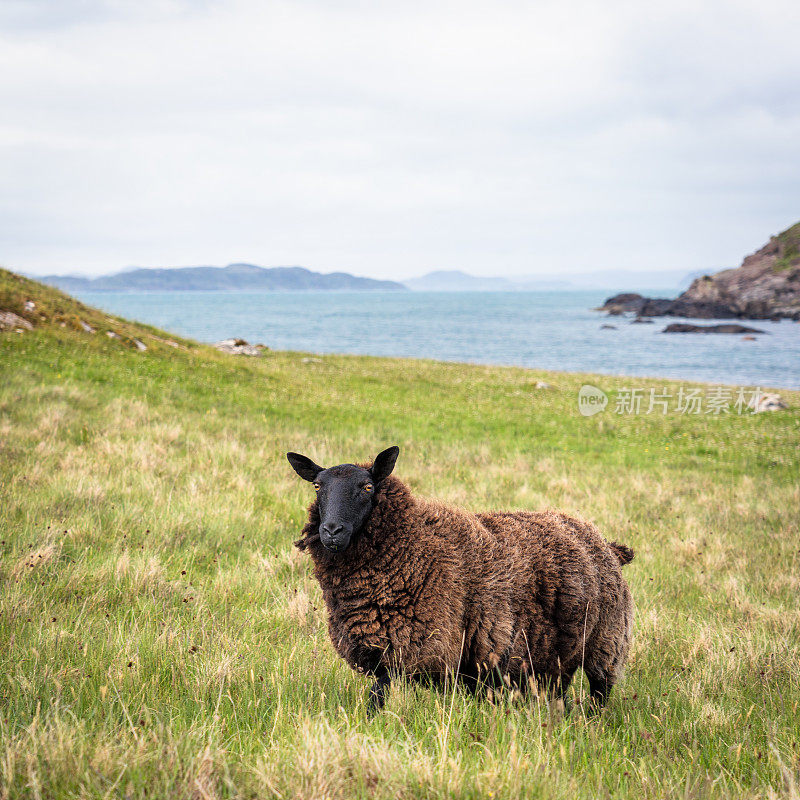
(378, 691)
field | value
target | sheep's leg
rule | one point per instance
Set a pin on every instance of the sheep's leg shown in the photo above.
(560, 687)
(379, 690)
(599, 690)
(554, 686)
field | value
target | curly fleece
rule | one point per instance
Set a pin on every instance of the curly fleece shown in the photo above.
(430, 590)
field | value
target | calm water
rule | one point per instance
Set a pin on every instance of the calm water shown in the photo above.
(549, 330)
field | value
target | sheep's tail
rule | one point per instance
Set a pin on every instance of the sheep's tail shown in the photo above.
(623, 553)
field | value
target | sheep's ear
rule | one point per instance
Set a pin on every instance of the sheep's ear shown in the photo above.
(304, 467)
(384, 464)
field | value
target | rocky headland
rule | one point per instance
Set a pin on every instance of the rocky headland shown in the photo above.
(765, 286)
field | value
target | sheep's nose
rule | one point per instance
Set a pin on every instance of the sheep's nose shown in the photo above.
(333, 529)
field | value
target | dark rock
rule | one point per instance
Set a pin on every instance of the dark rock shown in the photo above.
(608, 327)
(623, 303)
(641, 321)
(685, 327)
(702, 310)
(655, 307)
(636, 304)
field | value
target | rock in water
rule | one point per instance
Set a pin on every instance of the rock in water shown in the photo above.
(622, 303)
(685, 327)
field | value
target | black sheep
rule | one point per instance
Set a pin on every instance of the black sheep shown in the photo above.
(416, 587)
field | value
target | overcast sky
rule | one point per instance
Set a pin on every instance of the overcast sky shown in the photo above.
(390, 139)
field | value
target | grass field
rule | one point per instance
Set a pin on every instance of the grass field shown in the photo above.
(159, 636)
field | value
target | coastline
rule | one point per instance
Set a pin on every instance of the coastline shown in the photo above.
(551, 330)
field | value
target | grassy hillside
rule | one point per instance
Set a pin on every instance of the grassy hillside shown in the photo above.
(48, 309)
(788, 248)
(159, 637)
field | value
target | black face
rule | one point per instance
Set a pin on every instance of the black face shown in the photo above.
(345, 495)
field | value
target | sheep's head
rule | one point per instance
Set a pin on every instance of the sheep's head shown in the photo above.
(345, 494)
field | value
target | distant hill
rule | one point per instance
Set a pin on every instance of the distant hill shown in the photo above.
(457, 281)
(234, 277)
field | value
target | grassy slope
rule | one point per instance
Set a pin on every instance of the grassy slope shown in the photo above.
(789, 253)
(159, 636)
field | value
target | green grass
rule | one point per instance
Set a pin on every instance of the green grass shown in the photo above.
(159, 637)
(789, 249)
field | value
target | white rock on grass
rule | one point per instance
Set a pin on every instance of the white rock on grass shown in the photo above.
(9, 321)
(767, 402)
(166, 341)
(239, 347)
(86, 326)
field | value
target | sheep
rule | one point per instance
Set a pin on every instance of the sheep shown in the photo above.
(414, 587)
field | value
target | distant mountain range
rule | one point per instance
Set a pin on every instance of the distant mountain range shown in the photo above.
(234, 277)
(457, 281)
(248, 277)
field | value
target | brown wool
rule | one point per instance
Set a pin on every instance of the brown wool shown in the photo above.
(428, 591)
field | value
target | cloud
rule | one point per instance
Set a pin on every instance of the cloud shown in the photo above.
(389, 139)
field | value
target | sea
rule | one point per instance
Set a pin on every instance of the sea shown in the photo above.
(552, 330)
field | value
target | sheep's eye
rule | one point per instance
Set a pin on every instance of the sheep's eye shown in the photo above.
(316, 487)
(368, 487)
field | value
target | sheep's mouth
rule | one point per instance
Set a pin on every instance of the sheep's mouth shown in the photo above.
(335, 536)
